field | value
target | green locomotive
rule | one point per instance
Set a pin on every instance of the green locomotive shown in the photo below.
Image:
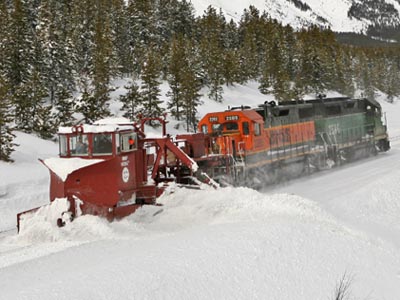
(345, 128)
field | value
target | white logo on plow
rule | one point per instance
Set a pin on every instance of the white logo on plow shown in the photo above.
(125, 174)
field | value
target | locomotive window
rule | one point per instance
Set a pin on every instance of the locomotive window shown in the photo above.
(333, 110)
(231, 126)
(246, 129)
(79, 145)
(216, 127)
(128, 142)
(102, 144)
(63, 145)
(305, 113)
(204, 128)
(257, 129)
(283, 112)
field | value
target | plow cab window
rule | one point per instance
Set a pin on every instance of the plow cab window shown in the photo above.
(128, 142)
(63, 145)
(102, 144)
(79, 145)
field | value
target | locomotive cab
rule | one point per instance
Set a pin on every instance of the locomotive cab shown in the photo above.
(233, 132)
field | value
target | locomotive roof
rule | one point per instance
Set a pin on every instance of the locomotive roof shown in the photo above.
(322, 101)
(248, 113)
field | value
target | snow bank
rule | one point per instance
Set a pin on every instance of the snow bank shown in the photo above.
(41, 225)
(62, 167)
(24, 184)
(231, 243)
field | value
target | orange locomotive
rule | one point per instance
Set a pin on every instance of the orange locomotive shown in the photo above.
(255, 147)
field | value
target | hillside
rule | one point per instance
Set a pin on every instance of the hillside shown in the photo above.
(340, 15)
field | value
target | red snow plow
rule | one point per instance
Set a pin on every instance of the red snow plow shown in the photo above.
(111, 168)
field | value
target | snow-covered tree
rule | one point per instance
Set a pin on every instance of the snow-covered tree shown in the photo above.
(65, 108)
(131, 101)
(44, 124)
(191, 86)
(177, 62)
(20, 45)
(211, 50)
(28, 99)
(57, 57)
(91, 106)
(150, 86)
(6, 120)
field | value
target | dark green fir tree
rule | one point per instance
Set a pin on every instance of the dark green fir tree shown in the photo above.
(131, 102)
(150, 87)
(44, 124)
(6, 119)
(65, 108)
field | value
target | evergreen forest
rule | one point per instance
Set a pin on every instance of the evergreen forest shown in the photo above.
(59, 57)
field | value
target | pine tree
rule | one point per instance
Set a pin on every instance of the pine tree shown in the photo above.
(120, 37)
(231, 67)
(392, 88)
(132, 102)
(28, 99)
(6, 118)
(312, 72)
(57, 56)
(5, 28)
(150, 87)
(183, 20)
(364, 79)
(276, 78)
(20, 45)
(344, 74)
(91, 106)
(211, 49)
(65, 108)
(252, 30)
(81, 35)
(191, 96)
(177, 62)
(141, 30)
(102, 59)
(43, 123)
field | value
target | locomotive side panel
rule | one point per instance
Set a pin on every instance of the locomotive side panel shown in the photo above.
(343, 131)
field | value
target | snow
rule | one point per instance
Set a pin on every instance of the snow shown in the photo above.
(334, 12)
(292, 241)
(62, 167)
(97, 128)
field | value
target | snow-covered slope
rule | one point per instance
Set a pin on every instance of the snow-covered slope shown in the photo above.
(339, 15)
(211, 245)
(24, 184)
